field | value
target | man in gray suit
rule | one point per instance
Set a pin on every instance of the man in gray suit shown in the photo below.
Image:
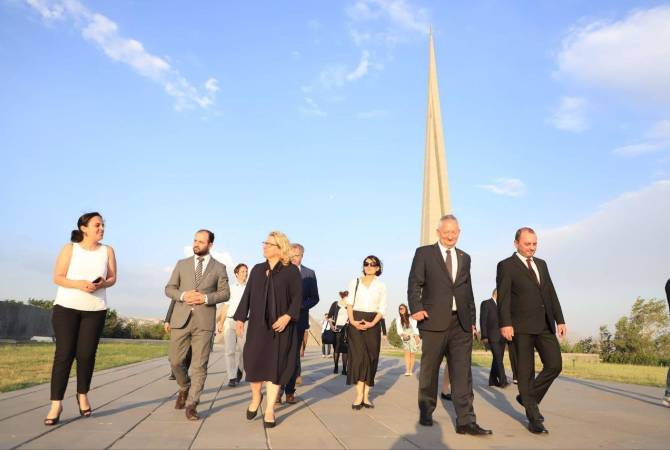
(197, 284)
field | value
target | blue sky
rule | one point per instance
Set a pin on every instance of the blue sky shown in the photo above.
(308, 117)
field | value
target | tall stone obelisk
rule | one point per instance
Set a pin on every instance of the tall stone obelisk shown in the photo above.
(436, 200)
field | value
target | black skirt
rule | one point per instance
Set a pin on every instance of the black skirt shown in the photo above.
(363, 350)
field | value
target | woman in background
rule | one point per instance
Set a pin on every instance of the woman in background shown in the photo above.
(339, 318)
(409, 335)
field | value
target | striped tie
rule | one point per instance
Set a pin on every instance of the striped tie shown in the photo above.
(198, 270)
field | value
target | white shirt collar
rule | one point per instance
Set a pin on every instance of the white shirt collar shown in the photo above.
(443, 248)
(523, 258)
(206, 259)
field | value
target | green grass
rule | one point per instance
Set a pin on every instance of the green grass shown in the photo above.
(27, 364)
(585, 368)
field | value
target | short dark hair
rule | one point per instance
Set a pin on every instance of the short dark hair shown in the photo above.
(378, 261)
(78, 235)
(517, 236)
(239, 266)
(344, 294)
(210, 235)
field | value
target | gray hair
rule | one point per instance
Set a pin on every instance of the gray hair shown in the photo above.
(298, 246)
(447, 217)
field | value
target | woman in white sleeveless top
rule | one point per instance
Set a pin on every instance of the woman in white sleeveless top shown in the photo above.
(85, 268)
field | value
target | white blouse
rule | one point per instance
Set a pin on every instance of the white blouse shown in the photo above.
(414, 331)
(367, 299)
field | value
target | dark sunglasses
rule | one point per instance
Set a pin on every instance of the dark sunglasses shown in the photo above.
(370, 264)
(265, 243)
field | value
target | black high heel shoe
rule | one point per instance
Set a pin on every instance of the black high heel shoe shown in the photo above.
(357, 407)
(251, 414)
(367, 405)
(51, 422)
(267, 424)
(82, 412)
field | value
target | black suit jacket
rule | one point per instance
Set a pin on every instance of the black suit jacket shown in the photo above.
(431, 289)
(521, 302)
(488, 320)
(310, 296)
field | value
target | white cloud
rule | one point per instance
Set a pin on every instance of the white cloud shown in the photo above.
(362, 69)
(104, 32)
(637, 149)
(373, 114)
(630, 55)
(570, 115)
(399, 13)
(509, 187)
(311, 108)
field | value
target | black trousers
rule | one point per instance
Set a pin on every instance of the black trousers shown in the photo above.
(532, 388)
(512, 358)
(497, 375)
(290, 386)
(77, 335)
(456, 345)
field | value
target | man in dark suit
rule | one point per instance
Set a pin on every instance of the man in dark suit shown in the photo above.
(666, 397)
(310, 297)
(440, 298)
(488, 324)
(529, 312)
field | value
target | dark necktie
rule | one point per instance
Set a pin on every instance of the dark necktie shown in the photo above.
(198, 270)
(532, 272)
(450, 270)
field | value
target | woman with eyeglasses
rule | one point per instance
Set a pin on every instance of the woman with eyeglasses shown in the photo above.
(366, 305)
(271, 303)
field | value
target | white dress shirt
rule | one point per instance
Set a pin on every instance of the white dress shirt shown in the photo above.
(236, 291)
(532, 264)
(368, 299)
(454, 265)
(205, 261)
(342, 316)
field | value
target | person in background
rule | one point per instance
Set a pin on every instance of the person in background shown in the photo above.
(491, 338)
(666, 397)
(325, 348)
(409, 335)
(85, 268)
(339, 320)
(233, 345)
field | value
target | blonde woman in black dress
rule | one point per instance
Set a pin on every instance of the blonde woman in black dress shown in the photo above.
(271, 303)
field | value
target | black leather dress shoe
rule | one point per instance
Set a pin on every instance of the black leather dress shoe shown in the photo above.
(537, 427)
(472, 429)
(238, 378)
(445, 396)
(503, 386)
(232, 382)
(540, 416)
(426, 421)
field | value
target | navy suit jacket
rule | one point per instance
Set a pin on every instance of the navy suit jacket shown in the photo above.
(310, 296)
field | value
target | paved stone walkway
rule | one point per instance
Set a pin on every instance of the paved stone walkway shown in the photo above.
(134, 409)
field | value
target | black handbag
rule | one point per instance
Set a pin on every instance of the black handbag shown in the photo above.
(328, 337)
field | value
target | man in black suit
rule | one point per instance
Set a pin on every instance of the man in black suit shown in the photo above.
(488, 323)
(440, 298)
(666, 397)
(310, 297)
(530, 314)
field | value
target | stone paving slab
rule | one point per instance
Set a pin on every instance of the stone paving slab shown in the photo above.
(134, 408)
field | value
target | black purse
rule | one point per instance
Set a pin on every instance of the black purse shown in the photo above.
(328, 337)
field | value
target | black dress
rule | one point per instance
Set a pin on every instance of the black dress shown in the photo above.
(268, 355)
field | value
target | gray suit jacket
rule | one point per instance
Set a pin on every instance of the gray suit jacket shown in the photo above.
(214, 284)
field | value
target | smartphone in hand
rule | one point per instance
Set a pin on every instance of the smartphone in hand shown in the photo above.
(98, 280)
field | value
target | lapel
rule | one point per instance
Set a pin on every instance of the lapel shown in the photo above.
(190, 270)
(459, 258)
(440, 260)
(208, 269)
(524, 267)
